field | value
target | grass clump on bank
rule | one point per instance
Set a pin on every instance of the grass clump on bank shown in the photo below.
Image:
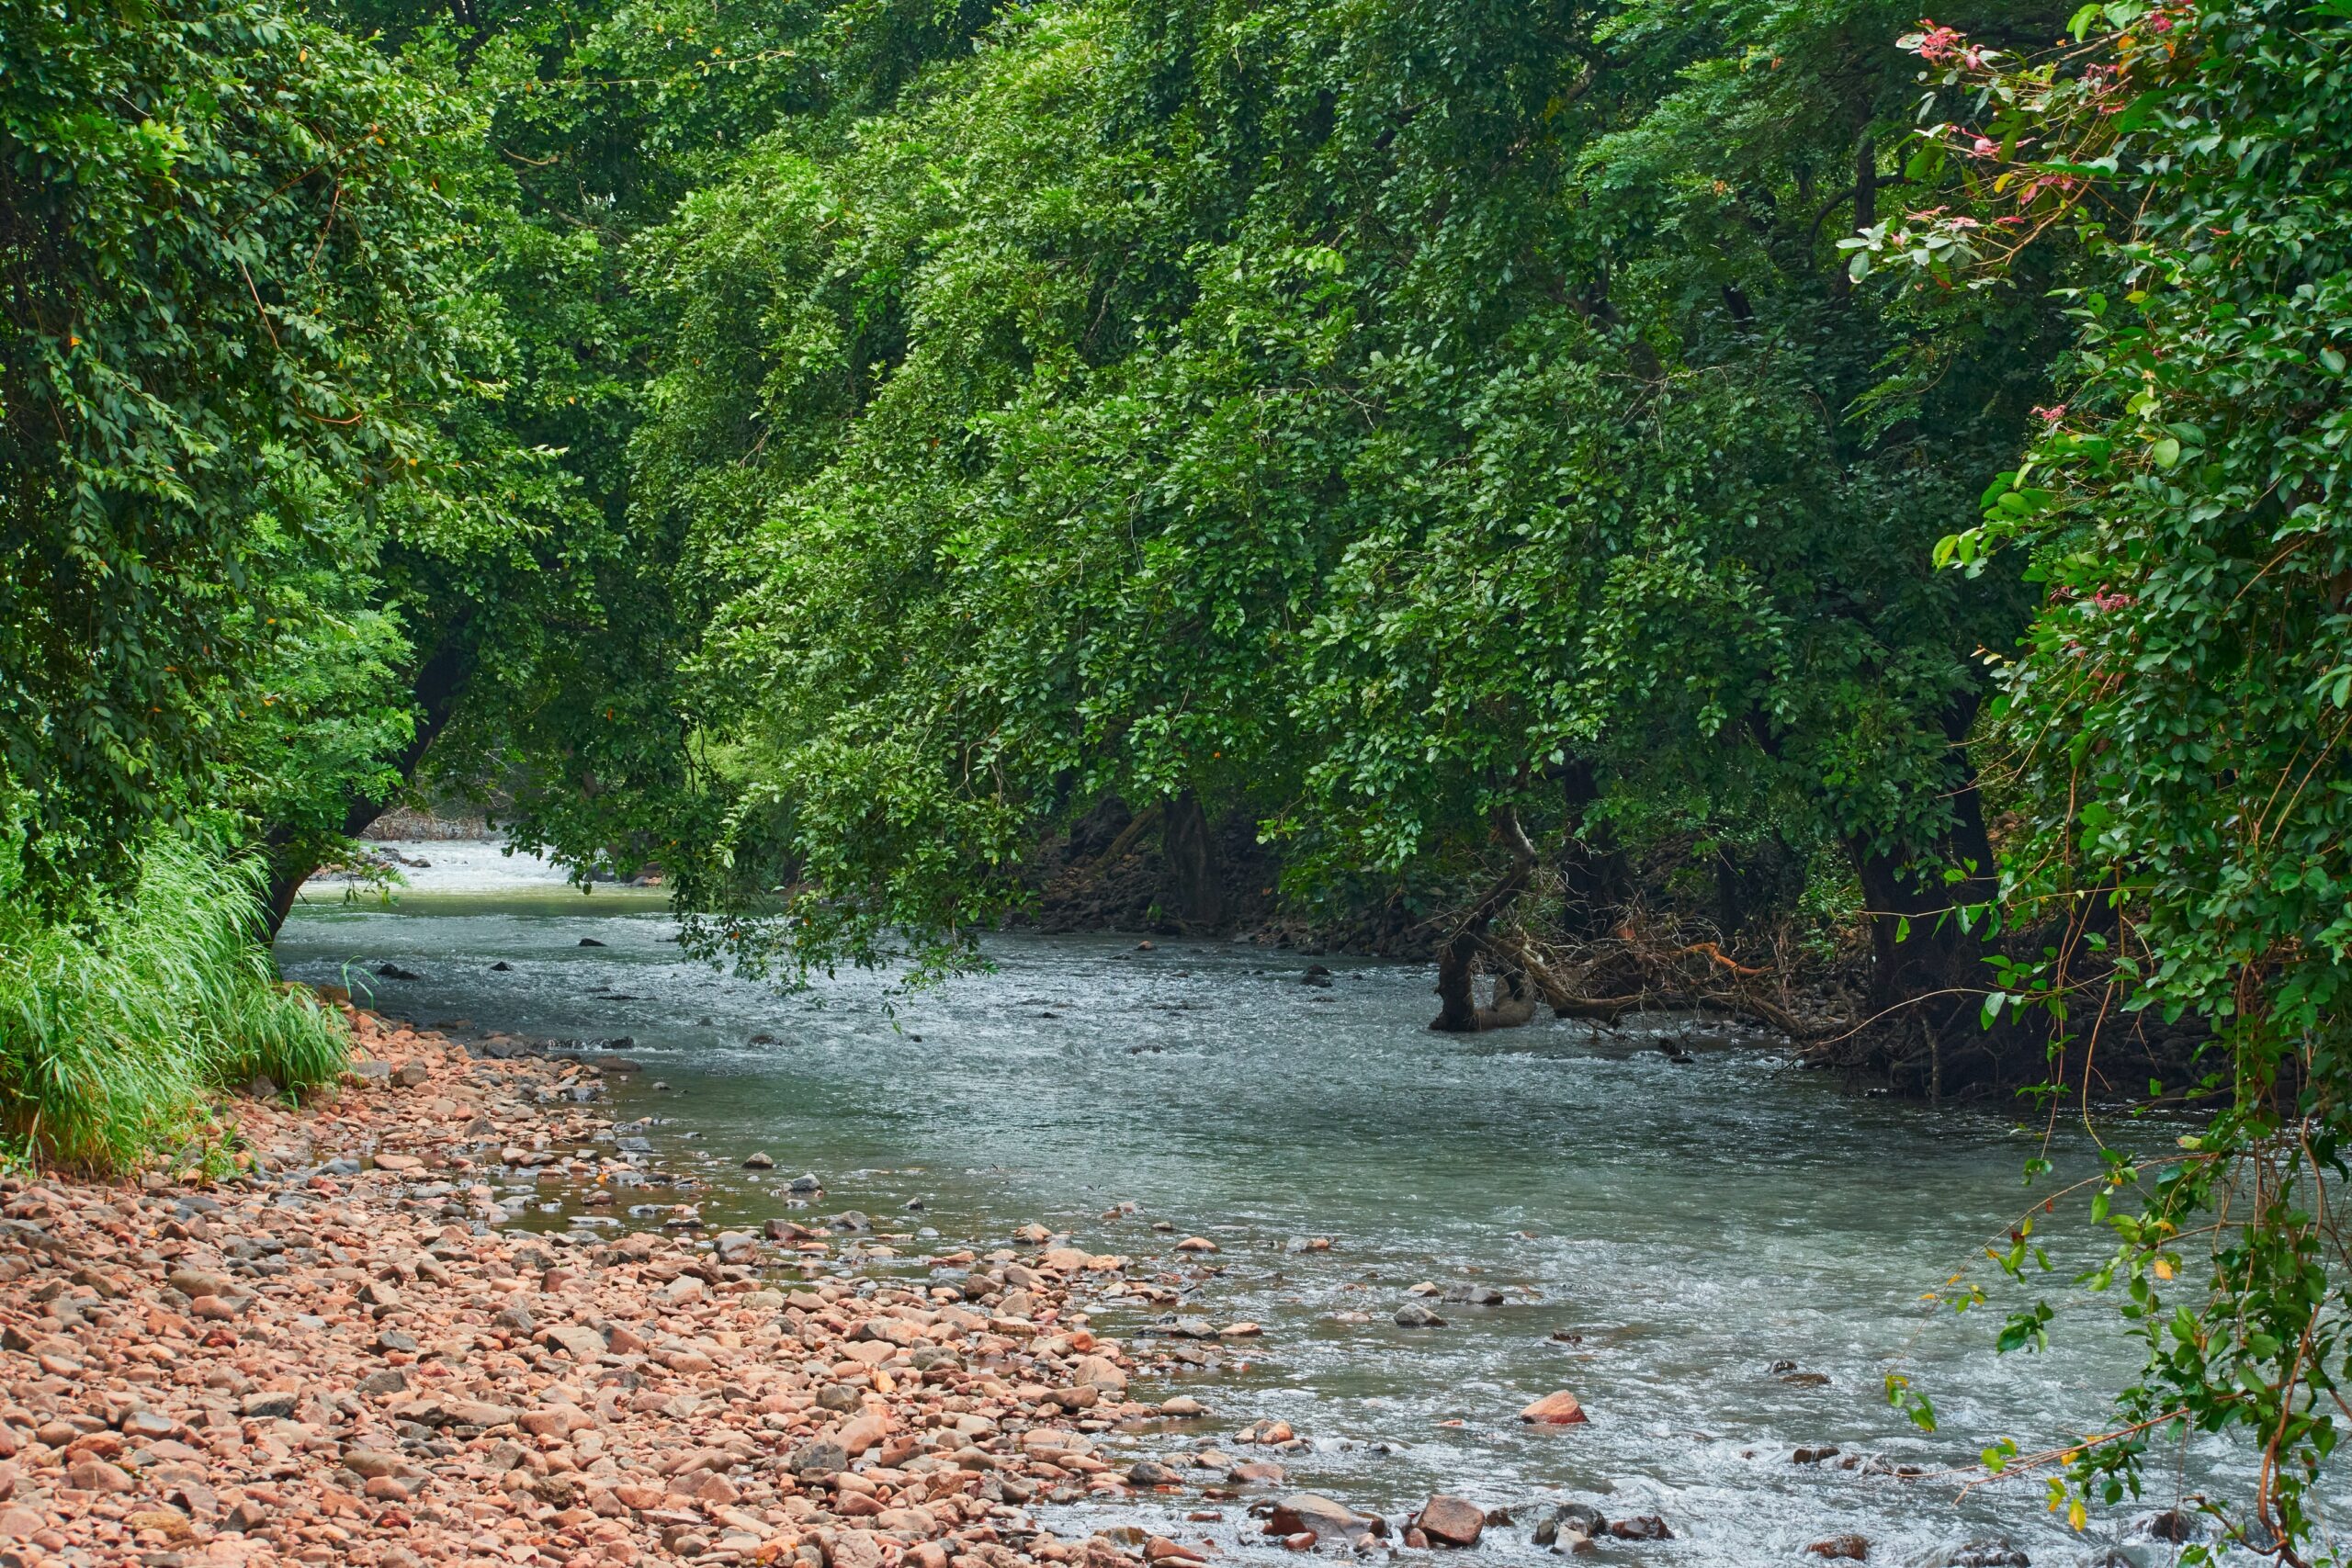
(114, 1026)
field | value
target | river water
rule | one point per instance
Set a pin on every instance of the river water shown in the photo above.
(1694, 1225)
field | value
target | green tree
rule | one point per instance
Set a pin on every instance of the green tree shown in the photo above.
(1385, 424)
(234, 311)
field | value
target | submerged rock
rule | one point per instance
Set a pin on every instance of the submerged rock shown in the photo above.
(1980, 1554)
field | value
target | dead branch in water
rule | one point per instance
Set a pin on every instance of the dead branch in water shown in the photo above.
(1635, 970)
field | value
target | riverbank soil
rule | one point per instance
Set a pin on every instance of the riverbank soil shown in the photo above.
(336, 1358)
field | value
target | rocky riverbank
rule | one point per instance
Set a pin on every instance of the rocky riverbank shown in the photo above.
(339, 1355)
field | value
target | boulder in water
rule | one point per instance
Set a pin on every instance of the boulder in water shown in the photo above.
(1577, 1521)
(1559, 1409)
(1449, 1520)
(1645, 1527)
(1413, 1314)
(2173, 1526)
(1308, 1512)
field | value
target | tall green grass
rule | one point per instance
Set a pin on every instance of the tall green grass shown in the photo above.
(114, 1028)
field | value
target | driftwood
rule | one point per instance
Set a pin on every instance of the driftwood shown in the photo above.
(1676, 976)
(1516, 955)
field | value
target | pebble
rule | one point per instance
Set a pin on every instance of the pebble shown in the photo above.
(338, 1359)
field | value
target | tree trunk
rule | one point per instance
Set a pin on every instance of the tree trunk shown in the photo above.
(1191, 889)
(1458, 1011)
(1457, 1008)
(1592, 869)
(439, 682)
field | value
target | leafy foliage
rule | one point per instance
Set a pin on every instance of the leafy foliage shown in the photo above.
(2176, 714)
(228, 326)
(1352, 420)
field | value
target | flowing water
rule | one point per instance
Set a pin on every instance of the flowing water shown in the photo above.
(1700, 1231)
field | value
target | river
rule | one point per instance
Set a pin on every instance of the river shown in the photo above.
(1722, 1258)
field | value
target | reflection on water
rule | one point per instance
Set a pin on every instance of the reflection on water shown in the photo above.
(1665, 1236)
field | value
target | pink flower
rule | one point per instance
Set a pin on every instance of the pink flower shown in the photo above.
(1984, 147)
(2050, 415)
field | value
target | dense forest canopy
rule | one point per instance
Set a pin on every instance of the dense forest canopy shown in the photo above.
(1652, 505)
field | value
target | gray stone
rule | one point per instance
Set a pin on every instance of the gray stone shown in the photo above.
(1472, 1295)
(825, 1457)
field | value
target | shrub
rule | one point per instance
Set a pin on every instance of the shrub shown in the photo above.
(115, 1025)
